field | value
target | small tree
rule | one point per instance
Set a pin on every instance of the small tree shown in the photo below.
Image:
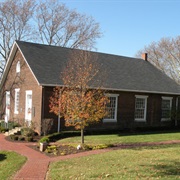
(79, 103)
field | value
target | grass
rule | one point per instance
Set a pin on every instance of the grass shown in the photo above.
(142, 163)
(10, 163)
(122, 138)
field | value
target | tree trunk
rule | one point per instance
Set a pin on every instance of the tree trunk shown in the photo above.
(82, 136)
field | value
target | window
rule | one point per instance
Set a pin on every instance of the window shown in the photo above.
(16, 102)
(140, 108)
(18, 67)
(8, 99)
(166, 108)
(112, 108)
(7, 106)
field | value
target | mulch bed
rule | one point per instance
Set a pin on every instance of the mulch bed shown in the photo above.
(60, 150)
(66, 149)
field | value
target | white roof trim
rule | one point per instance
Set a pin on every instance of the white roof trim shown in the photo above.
(9, 62)
(123, 90)
(28, 64)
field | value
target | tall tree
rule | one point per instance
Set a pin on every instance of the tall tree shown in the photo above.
(57, 25)
(78, 102)
(15, 19)
(48, 22)
(165, 55)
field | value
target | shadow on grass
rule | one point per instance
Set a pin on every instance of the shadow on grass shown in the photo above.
(166, 169)
(2, 157)
(127, 132)
(142, 146)
(147, 132)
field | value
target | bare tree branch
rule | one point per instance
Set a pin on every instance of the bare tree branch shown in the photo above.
(45, 21)
(165, 55)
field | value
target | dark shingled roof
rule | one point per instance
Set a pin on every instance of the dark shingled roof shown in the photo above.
(124, 73)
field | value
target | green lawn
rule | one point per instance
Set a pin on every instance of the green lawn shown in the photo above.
(159, 162)
(122, 138)
(10, 163)
(144, 163)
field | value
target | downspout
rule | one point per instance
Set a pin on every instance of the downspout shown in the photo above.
(42, 110)
(59, 115)
(177, 99)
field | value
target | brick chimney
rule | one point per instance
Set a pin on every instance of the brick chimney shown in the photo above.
(144, 56)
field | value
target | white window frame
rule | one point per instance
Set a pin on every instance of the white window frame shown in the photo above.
(18, 67)
(170, 99)
(8, 101)
(116, 107)
(16, 101)
(145, 109)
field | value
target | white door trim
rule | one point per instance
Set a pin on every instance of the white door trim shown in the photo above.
(28, 106)
(7, 106)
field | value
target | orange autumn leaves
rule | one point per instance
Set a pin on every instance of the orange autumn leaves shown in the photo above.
(76, 101)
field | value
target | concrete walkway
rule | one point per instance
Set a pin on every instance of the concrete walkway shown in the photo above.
(37, 163)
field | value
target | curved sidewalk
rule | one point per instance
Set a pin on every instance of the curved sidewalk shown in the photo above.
(37, 163)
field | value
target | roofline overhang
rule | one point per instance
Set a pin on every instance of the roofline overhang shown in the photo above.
(27, 64)
(9, 62)
(123, 90)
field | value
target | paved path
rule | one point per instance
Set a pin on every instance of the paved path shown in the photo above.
(37, 163)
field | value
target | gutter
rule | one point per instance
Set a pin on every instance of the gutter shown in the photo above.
(123, 90)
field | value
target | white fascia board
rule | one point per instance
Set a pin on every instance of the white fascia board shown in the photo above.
(8, 64)
(28, 64)
(123, 90)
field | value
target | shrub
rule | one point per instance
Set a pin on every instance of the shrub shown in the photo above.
(14, 137)
(102, 146)
(52, 149)
(44, 140)
(86, 147)
(3, 130)
(15, 124)
(21, 138)
(29, 138)
(27, 132)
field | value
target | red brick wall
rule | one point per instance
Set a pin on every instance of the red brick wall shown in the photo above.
(24, 81)
(126, 112)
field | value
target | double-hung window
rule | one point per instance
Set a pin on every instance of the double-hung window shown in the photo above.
(18, 67)
(166, 108)
(140, 108)
(111, 108)
(16, 101)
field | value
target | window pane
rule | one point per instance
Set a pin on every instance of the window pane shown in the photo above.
(140, 108)
(111, 108)
(18, 67)
(166, 108)
(16, 101)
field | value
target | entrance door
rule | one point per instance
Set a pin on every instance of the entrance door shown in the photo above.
(28, 105)
(7, 106)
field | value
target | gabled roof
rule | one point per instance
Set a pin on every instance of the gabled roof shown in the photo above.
(124, 73)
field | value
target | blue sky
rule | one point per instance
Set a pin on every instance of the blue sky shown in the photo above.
(129, 25)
